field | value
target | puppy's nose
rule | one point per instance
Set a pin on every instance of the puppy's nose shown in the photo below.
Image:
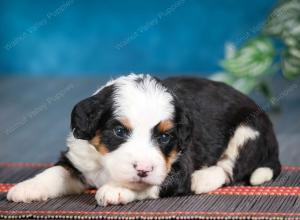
(143, 170)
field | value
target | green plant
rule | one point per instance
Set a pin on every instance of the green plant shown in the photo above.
(284, 23)
(247, 67)
(244, 69)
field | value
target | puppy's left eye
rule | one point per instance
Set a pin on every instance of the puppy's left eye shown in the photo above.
(164, 138)
(120, 132)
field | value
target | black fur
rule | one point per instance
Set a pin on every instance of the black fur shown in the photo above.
(216, 110)
(107, 135)
(207, 115)
(86, 115)
(178, 181)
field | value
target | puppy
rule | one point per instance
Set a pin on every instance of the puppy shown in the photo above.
(139, 137)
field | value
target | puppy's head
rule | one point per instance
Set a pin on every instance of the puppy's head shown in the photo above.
(137, 127)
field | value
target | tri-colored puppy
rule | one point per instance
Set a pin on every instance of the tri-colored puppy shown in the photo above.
(139, 137)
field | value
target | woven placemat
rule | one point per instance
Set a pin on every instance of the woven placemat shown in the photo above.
(277, 200)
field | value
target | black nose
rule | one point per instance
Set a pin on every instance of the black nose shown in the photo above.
(142, 173)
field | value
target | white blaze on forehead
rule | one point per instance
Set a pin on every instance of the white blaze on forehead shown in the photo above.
(144, 103)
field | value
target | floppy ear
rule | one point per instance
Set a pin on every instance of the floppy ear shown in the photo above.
(184, 128)
(86, 115)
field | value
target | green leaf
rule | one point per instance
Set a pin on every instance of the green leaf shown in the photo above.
(245, 85)
(252, 60)
(284, 23)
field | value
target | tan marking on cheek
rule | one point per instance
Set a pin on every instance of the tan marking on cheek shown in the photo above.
(96, 141)
(170, 159)
(165, 125)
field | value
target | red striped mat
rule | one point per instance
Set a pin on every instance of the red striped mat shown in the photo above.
(279, 199)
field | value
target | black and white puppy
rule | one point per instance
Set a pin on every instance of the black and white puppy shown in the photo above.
(139, 137)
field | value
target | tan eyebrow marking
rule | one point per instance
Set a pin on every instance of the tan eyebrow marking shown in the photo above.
(126, 123)
(165, 125)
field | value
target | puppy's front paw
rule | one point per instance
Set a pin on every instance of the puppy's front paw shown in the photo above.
(114, 195)
(27, 191)
(208, 179)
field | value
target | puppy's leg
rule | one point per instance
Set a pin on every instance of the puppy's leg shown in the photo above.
(214, 177)
(208, 179)
(112, 194)
(265, 172)
(269, 167)
(53, 182)
(261, 175)
(258, 161)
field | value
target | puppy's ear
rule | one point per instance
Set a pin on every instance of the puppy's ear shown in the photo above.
(184, 127)
(86, 115)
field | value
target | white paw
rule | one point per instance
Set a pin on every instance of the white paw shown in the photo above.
(208, 179)
(114, 195)
(153, 192)
(261, 175)
(150, 193)
(27, 191)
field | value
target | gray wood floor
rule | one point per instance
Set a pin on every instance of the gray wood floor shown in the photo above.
(35, 116)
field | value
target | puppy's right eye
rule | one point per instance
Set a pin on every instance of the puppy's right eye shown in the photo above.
(164, 138)
(120, 132)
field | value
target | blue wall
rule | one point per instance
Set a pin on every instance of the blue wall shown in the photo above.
(107, 37)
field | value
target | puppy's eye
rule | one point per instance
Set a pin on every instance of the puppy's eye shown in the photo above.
(120, 132)
(164, 138)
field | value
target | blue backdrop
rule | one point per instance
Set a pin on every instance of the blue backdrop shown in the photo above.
(113, 37)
